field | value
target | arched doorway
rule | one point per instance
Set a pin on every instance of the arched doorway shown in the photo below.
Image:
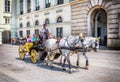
(99, 25)
(6, 36)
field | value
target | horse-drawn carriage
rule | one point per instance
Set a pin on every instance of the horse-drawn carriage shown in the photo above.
(34, 49)
(52, 50)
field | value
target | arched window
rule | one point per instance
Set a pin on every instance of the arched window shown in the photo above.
(59, 19)
(28, 24)
(47, 21)
(21, 25)
(36, 22)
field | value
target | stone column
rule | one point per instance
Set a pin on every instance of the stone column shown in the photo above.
(18, 7)
(32, 5)
(24, 6)
(11, 5)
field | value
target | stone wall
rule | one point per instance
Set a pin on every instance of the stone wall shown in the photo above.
(82, 9)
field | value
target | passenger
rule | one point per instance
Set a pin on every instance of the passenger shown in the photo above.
(28, 38)
(34, 38)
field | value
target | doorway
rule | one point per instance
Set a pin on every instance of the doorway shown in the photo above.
(99, 25)
(6, 37)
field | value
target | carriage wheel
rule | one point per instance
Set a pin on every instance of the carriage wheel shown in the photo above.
(21, 52)
(51, 57)
(34, 55)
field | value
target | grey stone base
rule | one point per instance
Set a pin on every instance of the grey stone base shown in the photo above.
(113, 43)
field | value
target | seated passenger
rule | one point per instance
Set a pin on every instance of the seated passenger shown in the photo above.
(28, 38)
(34, 38)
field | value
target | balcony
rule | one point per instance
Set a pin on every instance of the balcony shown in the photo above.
(47, 5)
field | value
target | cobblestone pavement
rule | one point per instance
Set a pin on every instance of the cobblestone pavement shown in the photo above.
(104, 66)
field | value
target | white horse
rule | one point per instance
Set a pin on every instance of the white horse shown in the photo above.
(68, 44)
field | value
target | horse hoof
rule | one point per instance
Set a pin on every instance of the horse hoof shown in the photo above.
(47, 64)
(78, 66)
(52, 67)
(70, 72)
(64, 69)
(86, 68)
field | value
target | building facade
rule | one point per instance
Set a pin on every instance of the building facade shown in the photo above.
(98, 18)
(32, 14)
(6, 24)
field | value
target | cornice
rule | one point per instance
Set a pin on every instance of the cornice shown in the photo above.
(77, 1)
(44, 10)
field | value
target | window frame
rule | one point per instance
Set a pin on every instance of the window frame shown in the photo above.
(21, 7)
(59, 32)
(36, 31)
(21, 33)
(59, 2)
(47, 21)
(21, 25)
(37, 5)
(59, 19)
(28, 24)
(28, 6)
(47, 3)
(7, 6)
(27, 32)
(36, 23)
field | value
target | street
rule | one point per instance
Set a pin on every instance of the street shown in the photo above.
(104, 66)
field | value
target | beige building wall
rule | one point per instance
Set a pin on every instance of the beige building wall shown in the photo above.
(52, 13)
(3, 15)
(82, 11)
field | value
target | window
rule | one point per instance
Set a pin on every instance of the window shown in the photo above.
(60, 2)
(47, 3)
(36, 23)
(7, 20)
(21, 33)
(7, 5)
(27, 32)
(21, 7)
(59, 19)
(59, 32)
(37, 7)
(37, 31)
(47, 21)
(21, 25)
(28, 24)
(28, 6)
(71, 0)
